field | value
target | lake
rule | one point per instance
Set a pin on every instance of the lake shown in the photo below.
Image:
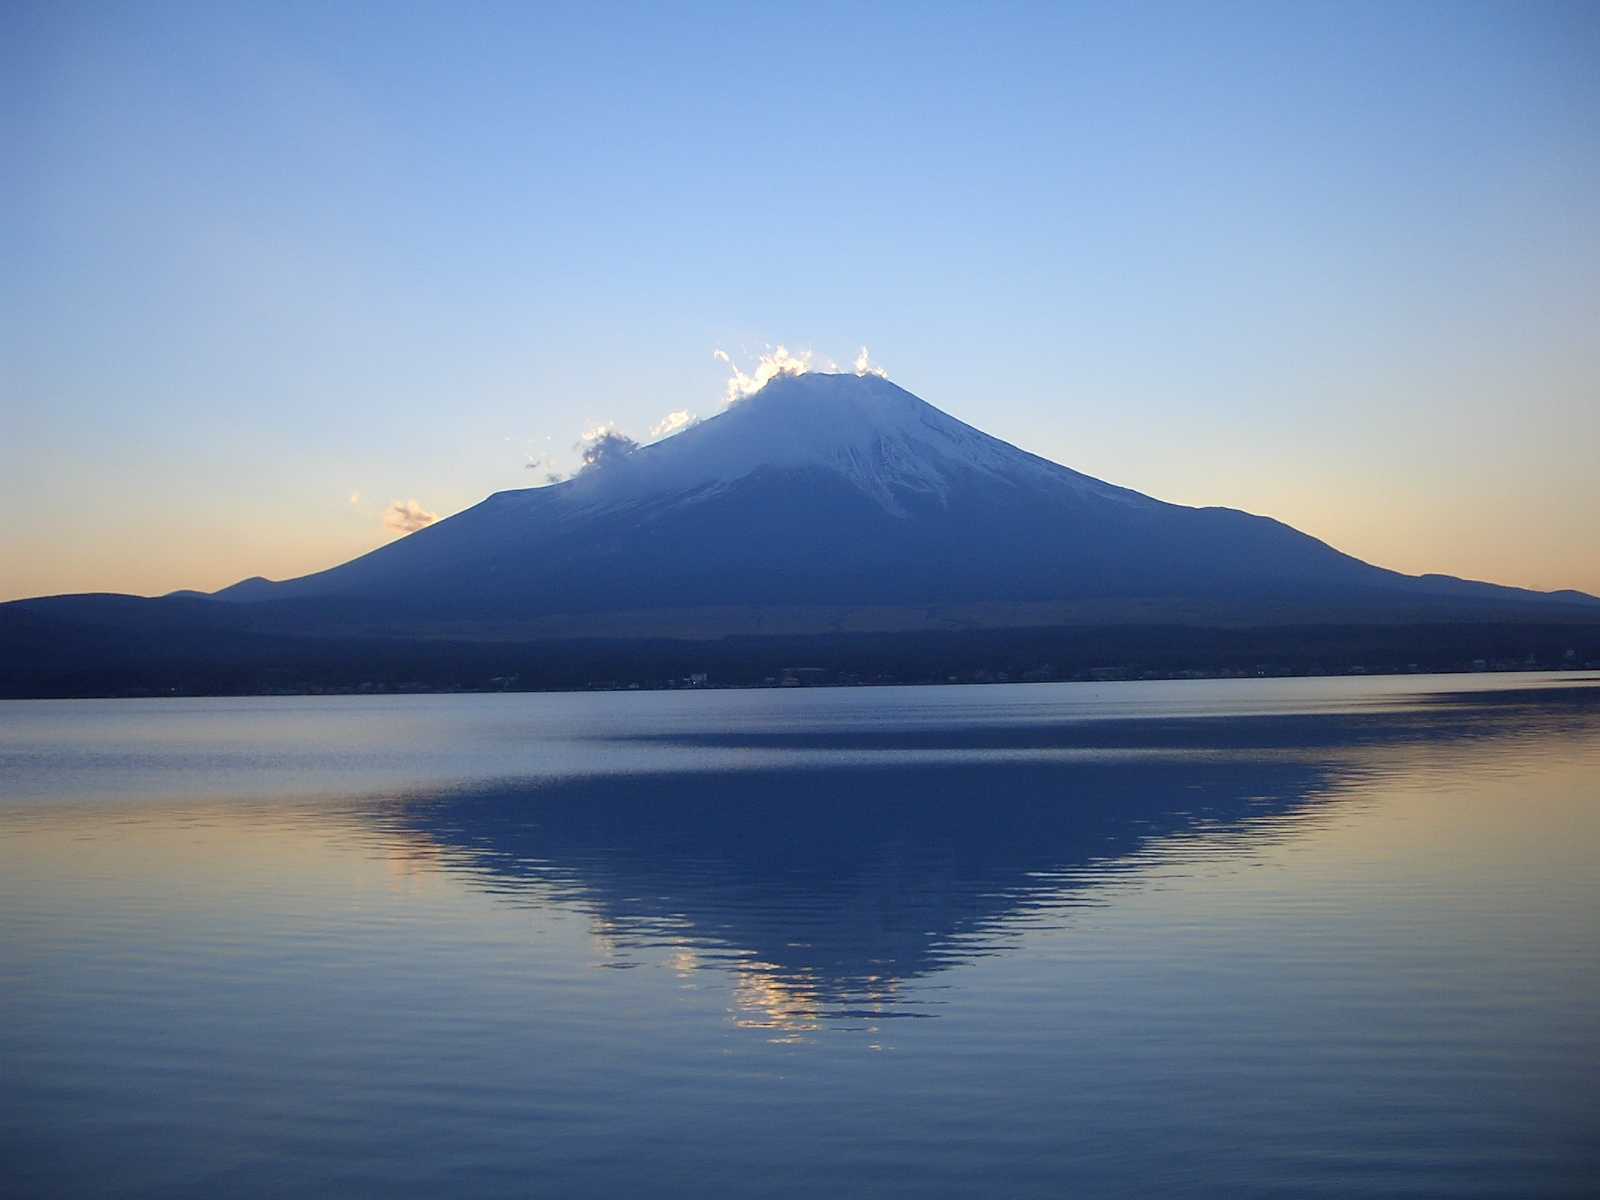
(1210, 938)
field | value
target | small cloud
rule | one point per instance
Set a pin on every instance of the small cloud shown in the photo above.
(777, 361)
(554, 477)
(407, 516)
(355, 497)
(604, 444)
(533, 464)
(673, 422)
(865, 366)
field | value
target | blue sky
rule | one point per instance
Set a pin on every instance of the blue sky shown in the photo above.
(1335, 263)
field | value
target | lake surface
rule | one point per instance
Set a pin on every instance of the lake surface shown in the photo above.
(1310, 937)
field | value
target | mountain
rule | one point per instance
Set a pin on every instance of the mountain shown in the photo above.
(844, 501)
(834, 520)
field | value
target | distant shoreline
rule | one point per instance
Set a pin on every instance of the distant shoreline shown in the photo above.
(1571, 675)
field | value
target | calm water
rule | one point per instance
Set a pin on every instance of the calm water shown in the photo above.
(1331, 937)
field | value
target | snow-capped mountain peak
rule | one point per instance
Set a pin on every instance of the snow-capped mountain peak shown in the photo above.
(883, 440)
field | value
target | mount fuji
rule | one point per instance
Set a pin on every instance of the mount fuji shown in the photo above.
(826, 518)
(834, 501)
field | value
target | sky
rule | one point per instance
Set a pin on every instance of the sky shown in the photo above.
(279, 282)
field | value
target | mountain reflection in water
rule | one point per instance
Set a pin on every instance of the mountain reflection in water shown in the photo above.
(825, 889)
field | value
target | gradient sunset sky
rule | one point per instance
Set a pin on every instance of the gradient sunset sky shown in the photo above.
(270, 269)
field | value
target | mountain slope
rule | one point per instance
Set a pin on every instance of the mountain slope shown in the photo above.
(843, 491)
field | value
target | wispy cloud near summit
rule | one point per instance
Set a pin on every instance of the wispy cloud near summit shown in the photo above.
(407, 516)
(779, 360)
(604, 444)
(673, 422)
(776, 361)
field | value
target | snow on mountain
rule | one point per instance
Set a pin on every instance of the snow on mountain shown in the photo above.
(878, 437)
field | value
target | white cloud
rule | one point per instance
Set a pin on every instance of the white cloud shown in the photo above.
(775, 362)
(673, 422)
(407, 516)
(604, 444)
(865, 366)
(778, 361)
